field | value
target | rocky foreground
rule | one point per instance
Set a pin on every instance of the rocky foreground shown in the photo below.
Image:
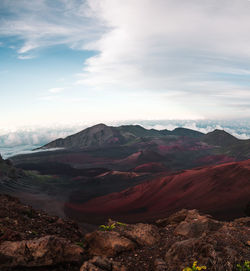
(32, 240)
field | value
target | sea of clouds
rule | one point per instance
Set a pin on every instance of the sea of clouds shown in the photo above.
(24, 140)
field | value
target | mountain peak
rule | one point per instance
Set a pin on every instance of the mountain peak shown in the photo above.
(220, 138)
(221, 133)
(99, 125)
(181, 131)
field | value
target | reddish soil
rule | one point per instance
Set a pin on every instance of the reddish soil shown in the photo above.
(151, 167)
(215, 159)
(221, 190)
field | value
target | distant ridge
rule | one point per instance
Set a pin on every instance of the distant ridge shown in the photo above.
(101, 135)
(186, 132)
(220, 138)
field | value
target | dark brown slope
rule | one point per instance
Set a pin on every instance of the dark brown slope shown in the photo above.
(33, 240)
(222, 190)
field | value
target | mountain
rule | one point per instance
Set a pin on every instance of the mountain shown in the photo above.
(186, 132)
(221, 190)
(220, 138)
(228, 144)
(95, 136)
(102, 135)
(129, 146)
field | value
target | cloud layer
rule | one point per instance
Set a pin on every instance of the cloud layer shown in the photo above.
(193, 55)
(26, 139)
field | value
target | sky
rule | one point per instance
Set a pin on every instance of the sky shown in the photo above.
(91, 61)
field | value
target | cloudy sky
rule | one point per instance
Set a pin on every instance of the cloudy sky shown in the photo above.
(66, 61)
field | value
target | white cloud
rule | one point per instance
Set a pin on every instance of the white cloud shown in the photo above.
(192, 54)
(197, 48)
(24, 57)
(16, 140)
(56, 90)
(42, 23)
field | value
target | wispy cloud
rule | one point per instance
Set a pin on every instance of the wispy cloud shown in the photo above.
(28, 138)
(56, 90)
(24, 57)
(194, 54)
(42, 23)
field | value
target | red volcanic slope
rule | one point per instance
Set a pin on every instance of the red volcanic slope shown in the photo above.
(151, 167)
(215, 159)
(221, 190)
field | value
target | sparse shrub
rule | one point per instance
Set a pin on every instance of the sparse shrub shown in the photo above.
(107, 227)
(244, 267)
(195, 267)
(111, 226)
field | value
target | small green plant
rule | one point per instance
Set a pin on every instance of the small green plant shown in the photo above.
(244, 267)
(111, 226)
(195, 267)
(107, 227)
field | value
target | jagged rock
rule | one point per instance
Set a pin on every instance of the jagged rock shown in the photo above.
(196, 225)
(173, 219)
(104, 243)
(142, 234)
(183, 253)
(160, 265)
(45, 251)
(219, 251)
(87, 266)
(9, 234)
(21, 222)
(118, 267)
(243, 221)
(102, 264)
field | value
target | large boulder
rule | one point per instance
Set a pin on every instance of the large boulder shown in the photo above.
(142, 234)
(45, 251)
(219, 251)
(243, 221)
(183, 253)
(160, 265)
(173, 219)
(107, 243)
(196, 225)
